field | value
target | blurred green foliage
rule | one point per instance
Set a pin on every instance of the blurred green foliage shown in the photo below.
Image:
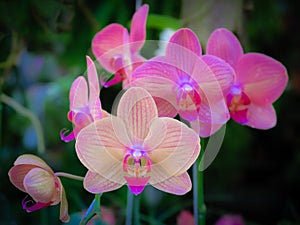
(43, 46)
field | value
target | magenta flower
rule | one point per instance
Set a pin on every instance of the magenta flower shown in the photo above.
(185, 218)
(32, 175)
(137, 147)
(185, 82)
(117, 51)
(259, 81)
(85, 105)
(231, 220)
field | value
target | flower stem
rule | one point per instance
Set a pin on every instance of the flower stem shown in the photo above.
(198, 190)
(137, 210)
(93, 210)
(68, 175)
(129, 209)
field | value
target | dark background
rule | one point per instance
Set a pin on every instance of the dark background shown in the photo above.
(43, 46)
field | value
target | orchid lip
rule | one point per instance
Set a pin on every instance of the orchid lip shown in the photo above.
(30, 205)
(137, 165)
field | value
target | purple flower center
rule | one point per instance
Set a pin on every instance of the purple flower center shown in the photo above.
(238, 103)
(137, 165)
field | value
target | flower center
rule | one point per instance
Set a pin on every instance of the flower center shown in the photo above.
(116, 63)
(188, 101)
(238, 103)
(137, 165)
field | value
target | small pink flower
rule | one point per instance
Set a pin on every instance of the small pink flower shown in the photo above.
(136, 147)
(85, 105)
(185, 82)
(185, 218)
(32, 175)
(230, 220)
(117, 51)
(259, 81)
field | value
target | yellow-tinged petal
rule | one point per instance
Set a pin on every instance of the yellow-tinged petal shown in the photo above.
(17, 173)
(137, 109)
(101, 147)
(178, 185)
(95, 183)
(40, 185)
(177, 151)
(29, 159)
(64, 214)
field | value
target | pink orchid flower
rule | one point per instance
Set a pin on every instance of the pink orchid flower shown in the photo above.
(259, 81)
(32, 175)
(85, 105)
(117, 51)
(185, 218)
(185, 82)
(137, 147)
(231, 220)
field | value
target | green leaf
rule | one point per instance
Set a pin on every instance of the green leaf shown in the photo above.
(161, 22)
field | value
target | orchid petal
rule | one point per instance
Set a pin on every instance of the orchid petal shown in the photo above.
(63, 211)
(213, 112)
(205, 129)
(136, 61)
(261, 117)
(17, 173)
(95, 183)
(186, 38)
(78, 93)
(94, 90)
(264, 79)
(101, 147)
(137, 109)
(108, 43)
(174, 151)
(40, 185)
(67, 138)
(182, 58)
(223, 72)
(178, 185)
(211, 80)
(165, 108)
(30, 206)
(160, 79)
(29, 159)
(138, 28)
(224, 44)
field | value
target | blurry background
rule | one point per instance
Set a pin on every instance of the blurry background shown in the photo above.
(43, 44)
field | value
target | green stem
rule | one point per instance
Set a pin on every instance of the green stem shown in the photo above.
(198, 189)
(137, 210)
(129, 208)
(93, 210)
(68, 175)
(201, 203)
(34, 120)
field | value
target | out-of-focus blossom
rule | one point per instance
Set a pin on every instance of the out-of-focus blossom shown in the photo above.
(185, 82)
(137, 147)
(230, 220)
(117, 51)
(164, 37)
(85, 105)
(185, 218)
(33, 176)
(259, 81)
